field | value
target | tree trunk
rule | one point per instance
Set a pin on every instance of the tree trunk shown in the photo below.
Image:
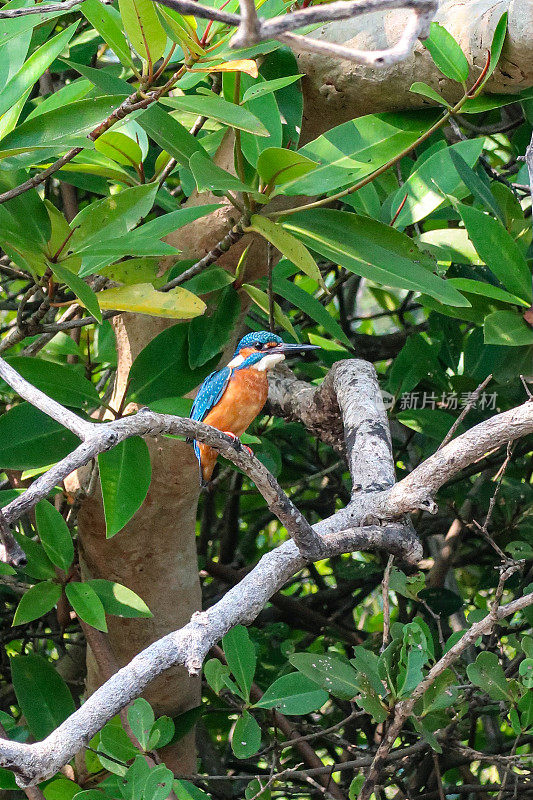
(154, 555)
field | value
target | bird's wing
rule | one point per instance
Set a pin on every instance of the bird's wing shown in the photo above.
(208, 396)
(210, 393)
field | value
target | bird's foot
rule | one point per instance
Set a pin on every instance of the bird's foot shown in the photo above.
(237, 440)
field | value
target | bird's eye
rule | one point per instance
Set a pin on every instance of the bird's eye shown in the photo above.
(259, 345)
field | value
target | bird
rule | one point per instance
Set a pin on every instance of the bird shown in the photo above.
(231, 398)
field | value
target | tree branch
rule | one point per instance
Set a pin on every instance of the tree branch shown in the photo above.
(252, 30)
(44, 9)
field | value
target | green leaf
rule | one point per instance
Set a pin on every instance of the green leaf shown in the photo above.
(259, 89)
(209, 281)
(221, 110)
(114, 742)
(168, 223)
(215, 674)
(111, 217)
(120, 148)
(176, 27)
(210, 177)
(446, 53)
(162, 732)
(61, 126)
(332, 674)
(125, 474)
(54, 535)
(158, 783)
(43, 696)
(142, 298)
(21, 28)
(293, 694)
(135, 778)
(119, 600)
(487, 673)
(208, 335)
(414, 654)
(366, 662)
(432, 422)
(426, 91)
(141, 718)
(498, 250)
(373, 250)
(442, 693)
(478, 188)
(434, 178)
(7, 778)
(355, 787)
(246, 736)
(240, 655)
(486, 290)
(407, 585)
(143, 28)
(83, 292)
(276, 166)
(355, 149)
(104, 80)
(507, 328)
(258, 790)
(265, 109)
(497, 45)
(288, 245)
(310, 306)
(260, 298)
(107, 26)
(37, 601)
(39, 565)
(86, 604)
(169, 134)
(34, 67)
(61, 789)
(188, 791)
(29, 439)
(28, 212)
(526, 673)
(162, 368)
(64, 383)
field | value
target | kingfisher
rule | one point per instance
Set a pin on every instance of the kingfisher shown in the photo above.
(231, 398)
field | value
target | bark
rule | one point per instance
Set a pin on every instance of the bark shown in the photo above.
(336, 91)
(155, 554)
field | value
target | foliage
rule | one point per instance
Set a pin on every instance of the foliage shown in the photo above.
(422, 266)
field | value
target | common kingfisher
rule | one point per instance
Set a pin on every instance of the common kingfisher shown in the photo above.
(231, 398)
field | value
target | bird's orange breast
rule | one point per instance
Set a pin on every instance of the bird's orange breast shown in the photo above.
(242, 401)
(240, 404)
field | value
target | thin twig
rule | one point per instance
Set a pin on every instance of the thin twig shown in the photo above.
(386, 603)
(474, 397)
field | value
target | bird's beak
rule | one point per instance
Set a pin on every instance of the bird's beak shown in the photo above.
(293, 349)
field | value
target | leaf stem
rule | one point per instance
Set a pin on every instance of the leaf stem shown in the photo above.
(369, 178)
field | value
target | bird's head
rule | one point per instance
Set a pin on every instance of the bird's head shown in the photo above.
(263, 350)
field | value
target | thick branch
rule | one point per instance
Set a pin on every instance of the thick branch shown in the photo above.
(318, 409)
(188, 646)
(41, 401)
(251, 29)
(32, 763)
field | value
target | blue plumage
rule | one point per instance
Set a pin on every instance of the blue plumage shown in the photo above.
(263, 337)
(208, 396)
